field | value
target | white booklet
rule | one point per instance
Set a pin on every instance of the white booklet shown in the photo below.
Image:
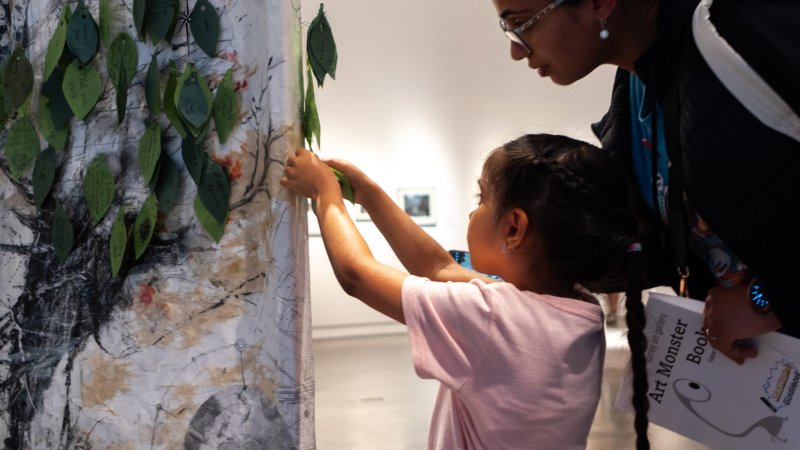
(698, 392)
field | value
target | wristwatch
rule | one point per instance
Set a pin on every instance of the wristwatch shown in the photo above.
(758, 299)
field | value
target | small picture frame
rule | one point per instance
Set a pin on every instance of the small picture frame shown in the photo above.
(419, 204)
(360, 214)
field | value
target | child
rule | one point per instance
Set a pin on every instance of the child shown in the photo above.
(519, 360)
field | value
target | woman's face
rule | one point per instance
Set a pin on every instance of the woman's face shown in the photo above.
(565, 41)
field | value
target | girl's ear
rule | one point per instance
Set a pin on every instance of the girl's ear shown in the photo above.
(515, 229)
(603, 8)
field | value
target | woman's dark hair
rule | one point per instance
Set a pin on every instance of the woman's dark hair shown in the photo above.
(578, 202)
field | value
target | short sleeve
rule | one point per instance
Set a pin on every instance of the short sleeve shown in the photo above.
(447, 325)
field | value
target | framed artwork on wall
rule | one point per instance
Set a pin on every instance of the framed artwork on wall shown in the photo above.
(419, 204)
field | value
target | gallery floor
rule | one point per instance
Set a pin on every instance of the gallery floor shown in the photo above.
(369, 398)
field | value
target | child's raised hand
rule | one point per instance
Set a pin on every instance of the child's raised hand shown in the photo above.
(307, 175)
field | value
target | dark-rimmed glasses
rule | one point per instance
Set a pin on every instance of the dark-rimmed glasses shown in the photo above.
(516, 34)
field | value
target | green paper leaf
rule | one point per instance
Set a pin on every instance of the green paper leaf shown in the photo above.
(82, 88)
(61, 233)
(44, 173)
(209, 223)
(311, 125)
(167, 186)
(195, 158)
(149, 151)
(152, 87)
(139, 9)
(145, 225)
(321, 47)
(83, 36)
(21, 147)
(226, 107)
(118, 242)
(98, 188)
(344, 184)
(105, 22)
(18, 78)
(122, 95)
(205, 27)
(215, 190)
(60, 111)
(56, 46)
(122, 57)
(169, 101)
(193, 99)
(160, 17)
(55, 137)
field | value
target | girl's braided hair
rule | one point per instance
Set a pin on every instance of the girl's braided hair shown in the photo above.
(578, 202)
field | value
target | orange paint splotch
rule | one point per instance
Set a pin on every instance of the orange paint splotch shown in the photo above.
(232, 167)
(146, 294)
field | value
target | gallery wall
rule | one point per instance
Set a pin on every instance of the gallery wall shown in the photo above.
(423, 91)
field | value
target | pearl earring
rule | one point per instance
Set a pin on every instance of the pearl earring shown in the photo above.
(603, 30)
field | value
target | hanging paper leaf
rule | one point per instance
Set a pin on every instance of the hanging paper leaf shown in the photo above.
(139, 7)
(193, 99)
(145, 225)
(321, 47)
(61, 234)
(226, 107)
(152, 87)
(18, 78)
(98, 188)
(21, 147)
(161, 14)
(149, 151)
(209, 223)
(44, 173)
(56, 46)
(215, 190)
(60, 111)
(122, 57)
(4, 112)
(56, 138)
(205, 27)
(122, 96)
(195, 158)
(82, 88)
(167, 185)
(83, 36)
(344, 185)
(311, 125)
(105, 22)
(169, 101)
(117, 242)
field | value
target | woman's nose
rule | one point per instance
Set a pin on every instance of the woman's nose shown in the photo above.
(518, 52)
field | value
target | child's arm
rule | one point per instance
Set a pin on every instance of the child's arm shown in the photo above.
(360, 275)
(417, 251)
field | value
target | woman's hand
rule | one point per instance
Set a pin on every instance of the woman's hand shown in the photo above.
(307, 175)
(729, 317)
(359, 182)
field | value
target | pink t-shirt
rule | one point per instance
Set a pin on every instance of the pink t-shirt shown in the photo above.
(518, 370)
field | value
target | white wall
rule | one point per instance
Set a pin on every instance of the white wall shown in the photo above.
(424, 90)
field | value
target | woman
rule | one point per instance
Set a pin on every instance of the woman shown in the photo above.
(680, 131)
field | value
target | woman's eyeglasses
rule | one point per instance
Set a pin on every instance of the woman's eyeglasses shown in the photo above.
(516, 34)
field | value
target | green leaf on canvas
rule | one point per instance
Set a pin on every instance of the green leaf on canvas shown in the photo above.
(226, 107)
(311, 125)
(204, 22)
(152, 87)
(160, 16)
(18, 78)
(139, 9)
(169, 101)
(215, 190)
(83, 36)
(321, 47)
(195, 158)
(149, 151)
(98, 188)
(145, 225)
(55, 137)
(53, 89)
(214, 228)
(56, 46)
(44, 173)
(61, 233)
(118, 242)
(21, 147)
(105, 22)
(193, 99)
(344, 185)
(167, 185)
(122, 57)
(82, 88)
(122, 95)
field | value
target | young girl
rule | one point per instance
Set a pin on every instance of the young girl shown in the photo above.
(520, 360)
